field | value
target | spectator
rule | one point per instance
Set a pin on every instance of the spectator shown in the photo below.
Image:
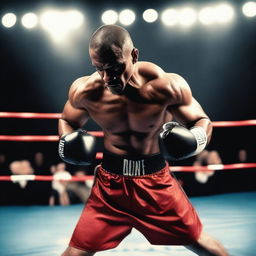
(203, 159)
(2, 162)
(242, 156)
(41, 188)
(38, 160)
(79, 191)
(19, 192)
(59, 195)
(22, 167)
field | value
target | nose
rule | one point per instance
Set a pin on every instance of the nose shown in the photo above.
(107, 76)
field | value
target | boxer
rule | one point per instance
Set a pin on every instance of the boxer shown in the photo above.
(139, 107)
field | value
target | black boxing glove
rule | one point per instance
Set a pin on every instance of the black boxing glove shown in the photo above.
(78, 148)
(180, 142)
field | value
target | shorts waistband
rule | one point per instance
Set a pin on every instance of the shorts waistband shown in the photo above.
(132, 165)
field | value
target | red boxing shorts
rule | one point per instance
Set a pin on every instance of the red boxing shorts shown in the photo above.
(153, 203)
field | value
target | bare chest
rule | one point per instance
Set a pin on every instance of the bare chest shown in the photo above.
(119, 114)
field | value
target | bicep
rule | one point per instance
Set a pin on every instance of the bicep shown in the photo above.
(184, 108)
(188, 113)
(192, 114)
(72, 118)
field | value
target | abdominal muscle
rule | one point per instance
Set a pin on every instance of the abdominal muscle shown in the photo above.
(131, 143)
(131, 123)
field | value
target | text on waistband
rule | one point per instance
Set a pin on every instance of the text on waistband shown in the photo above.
(133, 167)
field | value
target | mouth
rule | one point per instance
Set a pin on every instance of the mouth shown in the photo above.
(114, 82)
(115, 86)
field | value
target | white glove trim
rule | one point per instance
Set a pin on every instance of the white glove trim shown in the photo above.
(201, 138)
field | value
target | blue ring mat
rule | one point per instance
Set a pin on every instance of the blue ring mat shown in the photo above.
(44, 230)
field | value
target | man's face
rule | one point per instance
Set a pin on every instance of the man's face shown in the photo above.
(114, 71)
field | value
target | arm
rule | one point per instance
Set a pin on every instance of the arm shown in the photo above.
(75, 146)
(71, 119)
(188, 111)
(194, 133)
(201, 158)
(73, 116)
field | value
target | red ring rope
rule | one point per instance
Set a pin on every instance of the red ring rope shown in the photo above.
(99, 154)
(173, 168)
(40, 137)
(95, 133)
(43, 178)
(234, 123)
(30, 115)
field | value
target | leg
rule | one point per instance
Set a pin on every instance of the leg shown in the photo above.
(71, 251)
(207, 246)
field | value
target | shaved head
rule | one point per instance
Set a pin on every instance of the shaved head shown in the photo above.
(111, 41)
(113, 55)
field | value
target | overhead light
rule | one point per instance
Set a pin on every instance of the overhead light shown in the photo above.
(206, 15)
(109, 17)
(60, 23)
(9, 20)
(249, 9)
(187, 16)
(127, 17)
(224, 13)
(150, 15)
(29, 20)
(170, 17)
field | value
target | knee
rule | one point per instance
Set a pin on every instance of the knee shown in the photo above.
(71, 251)
(210, 246)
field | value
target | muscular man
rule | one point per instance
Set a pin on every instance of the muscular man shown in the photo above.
(132, 101)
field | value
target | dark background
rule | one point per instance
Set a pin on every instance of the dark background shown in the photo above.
(218, 61)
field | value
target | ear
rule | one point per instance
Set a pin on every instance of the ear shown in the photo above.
(135, 55)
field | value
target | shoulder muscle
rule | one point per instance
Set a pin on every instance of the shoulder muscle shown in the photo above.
(150, 70)
(179, 89)
(170, 88)
(83, 89)
(75, 91)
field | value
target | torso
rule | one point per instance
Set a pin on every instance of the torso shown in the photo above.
(131, 122)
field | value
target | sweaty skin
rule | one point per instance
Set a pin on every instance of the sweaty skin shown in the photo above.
(130, 101)
(131, 119)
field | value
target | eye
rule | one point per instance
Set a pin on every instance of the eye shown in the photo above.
(116, 68)
(119, 68)
(99, 69)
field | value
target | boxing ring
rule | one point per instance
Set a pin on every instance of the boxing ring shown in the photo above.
(44, 230)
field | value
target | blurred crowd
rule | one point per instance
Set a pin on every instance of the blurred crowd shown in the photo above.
(65, 192)
(60, 191)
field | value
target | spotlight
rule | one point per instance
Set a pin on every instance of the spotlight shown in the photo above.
(74, 19)
(29, 20)
(249, 9)
(55, 24)
(9, 20)
(127, 17)
(60, 23)
(207, 15)
(109, 17)
(224, 13)
(150, 15)
(169, 17)
(187, 16)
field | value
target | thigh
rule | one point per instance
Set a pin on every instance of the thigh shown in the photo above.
(100, 226)
(168, 216)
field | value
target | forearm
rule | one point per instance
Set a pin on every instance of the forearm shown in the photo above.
(206, 124)
(71, 119)
(65, 127)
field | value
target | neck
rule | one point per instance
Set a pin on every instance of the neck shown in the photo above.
(134, 80)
